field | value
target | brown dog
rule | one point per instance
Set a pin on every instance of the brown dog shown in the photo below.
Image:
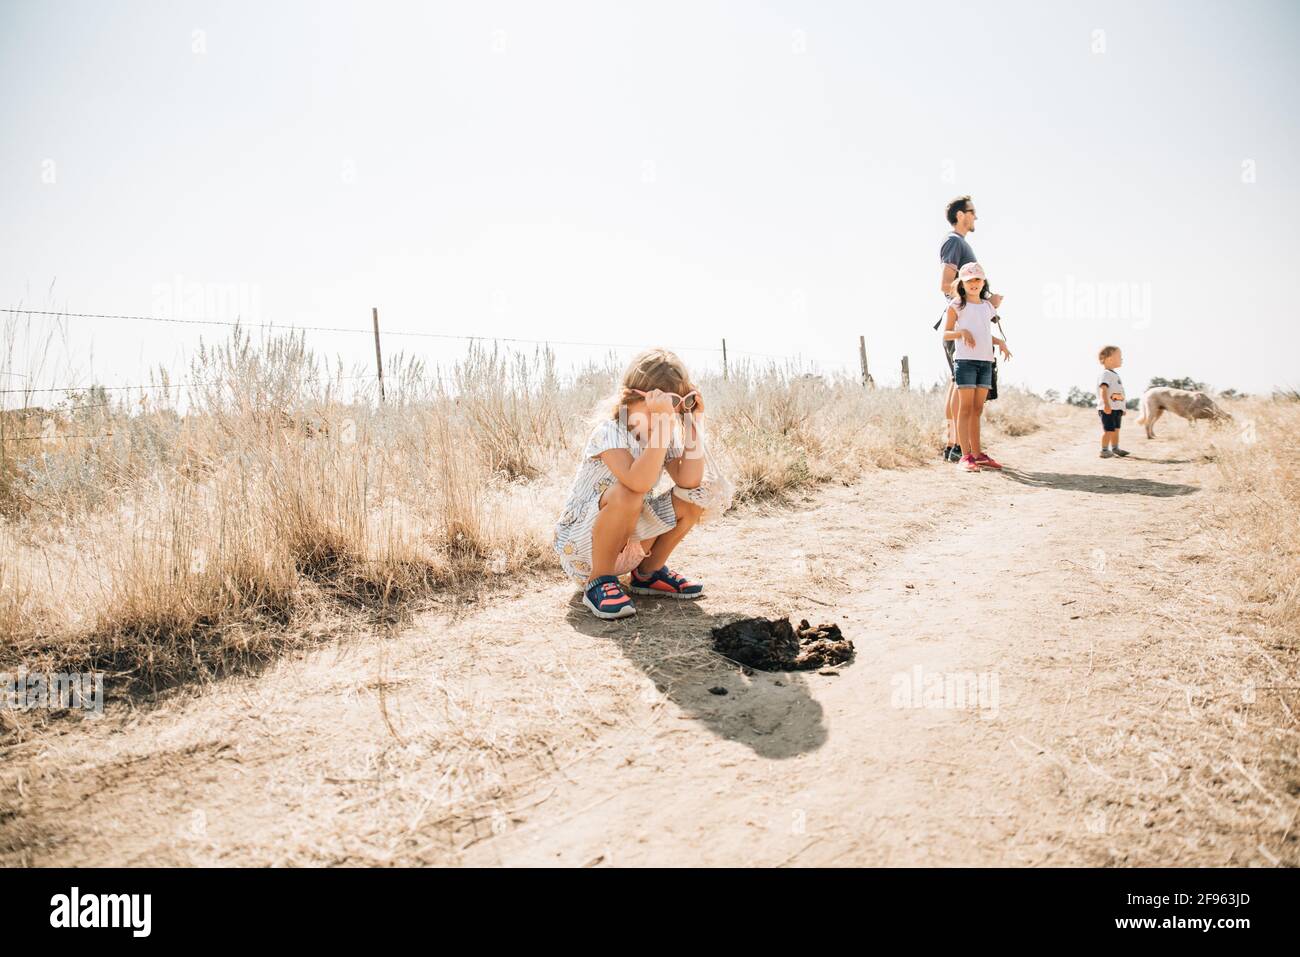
(1190, 405)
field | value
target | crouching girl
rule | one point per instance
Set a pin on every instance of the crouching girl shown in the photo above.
(613, 523)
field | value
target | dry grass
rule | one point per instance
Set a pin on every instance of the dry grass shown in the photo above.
(1014, 413)
(452, 758)
(1216, 738)
(780, 431)
(1259, 507)
(161, 544)
(170, 546)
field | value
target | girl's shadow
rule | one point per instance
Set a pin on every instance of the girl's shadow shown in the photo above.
(670, 640)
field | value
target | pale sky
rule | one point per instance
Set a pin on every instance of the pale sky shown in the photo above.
(647, 173)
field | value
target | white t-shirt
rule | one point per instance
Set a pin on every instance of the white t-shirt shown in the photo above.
(1111, 380)
(978, 318)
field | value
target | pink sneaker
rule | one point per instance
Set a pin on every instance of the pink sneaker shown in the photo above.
(969, 464)
(985, 462)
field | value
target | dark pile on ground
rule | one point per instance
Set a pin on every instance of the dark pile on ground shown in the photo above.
(776, 645)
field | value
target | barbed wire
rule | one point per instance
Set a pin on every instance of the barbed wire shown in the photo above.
(386, 332)
(168, 386)
(90, 388)
(51, 438)
(339, 329)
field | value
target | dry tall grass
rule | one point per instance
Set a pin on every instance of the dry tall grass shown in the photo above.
(1215, 738)
(1258, 507)
(162, 546)
(1014, 413)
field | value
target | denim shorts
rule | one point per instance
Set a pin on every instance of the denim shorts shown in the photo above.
(973, 373)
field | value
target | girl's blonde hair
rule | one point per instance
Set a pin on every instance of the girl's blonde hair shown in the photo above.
(651, 369)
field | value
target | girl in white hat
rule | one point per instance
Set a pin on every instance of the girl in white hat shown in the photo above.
(969, 322)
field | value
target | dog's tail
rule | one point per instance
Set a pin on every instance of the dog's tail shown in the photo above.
(1146, 410)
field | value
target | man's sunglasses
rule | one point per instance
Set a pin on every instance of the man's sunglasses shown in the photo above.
(684, 403)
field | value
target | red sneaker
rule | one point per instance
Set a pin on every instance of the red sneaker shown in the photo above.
(969, 463)
(985, 462)
(664, 582)
(606, 598)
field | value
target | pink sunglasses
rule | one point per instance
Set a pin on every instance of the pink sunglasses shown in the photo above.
(684, 402)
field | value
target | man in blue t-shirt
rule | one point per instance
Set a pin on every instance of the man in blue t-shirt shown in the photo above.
(953, 254)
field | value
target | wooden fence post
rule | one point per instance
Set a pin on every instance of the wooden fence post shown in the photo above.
(862, 357)
(724, 359)
(379, 359)
(907, 377)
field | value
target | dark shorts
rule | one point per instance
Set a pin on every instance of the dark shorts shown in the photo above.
(973, 373)
(1110, 420)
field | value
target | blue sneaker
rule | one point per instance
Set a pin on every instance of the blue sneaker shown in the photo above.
(664, 582)
(606, 598)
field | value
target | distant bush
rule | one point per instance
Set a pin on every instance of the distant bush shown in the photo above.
(1191, 385)
(1187, 382)
(1081, 398)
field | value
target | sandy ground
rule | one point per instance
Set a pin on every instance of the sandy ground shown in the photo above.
(1113, 717)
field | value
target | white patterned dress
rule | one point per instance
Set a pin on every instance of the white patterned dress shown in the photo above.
(573, 531)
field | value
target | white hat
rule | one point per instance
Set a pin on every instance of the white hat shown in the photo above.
(972, 271)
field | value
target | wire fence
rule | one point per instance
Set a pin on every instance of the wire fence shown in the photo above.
(56, 438)
(721, 350)
(593, 344)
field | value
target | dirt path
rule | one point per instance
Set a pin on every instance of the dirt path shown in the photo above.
(1078, 596)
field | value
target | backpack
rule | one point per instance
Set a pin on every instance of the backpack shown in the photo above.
(993, 389)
